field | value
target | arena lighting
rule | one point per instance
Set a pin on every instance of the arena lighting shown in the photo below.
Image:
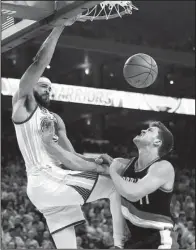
(87, 71)
(88, 121)
(171, 82)
(110, 98)
(48, 67)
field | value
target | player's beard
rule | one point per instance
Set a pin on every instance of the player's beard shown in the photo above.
(41, 100)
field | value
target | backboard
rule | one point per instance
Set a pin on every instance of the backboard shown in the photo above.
(24, 20)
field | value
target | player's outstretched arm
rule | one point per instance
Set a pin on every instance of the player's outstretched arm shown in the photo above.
(69, 159)
(73, 162)
(157, 176)
(40, 62)
(65, 143)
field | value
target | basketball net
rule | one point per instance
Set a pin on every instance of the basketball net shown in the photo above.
(107, 10)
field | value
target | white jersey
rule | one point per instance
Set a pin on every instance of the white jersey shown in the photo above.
(29, 137)
(55, 192)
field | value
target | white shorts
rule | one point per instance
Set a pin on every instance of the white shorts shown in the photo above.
(59, 193)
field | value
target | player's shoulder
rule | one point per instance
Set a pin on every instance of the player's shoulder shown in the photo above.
(56, 116)
(16, 98)
(60, 122)
(53, 113)
(162, 166)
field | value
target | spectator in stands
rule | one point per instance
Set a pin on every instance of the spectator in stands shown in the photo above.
(79, 242)
(11, 245)
(46, 240)
(6, 234)
(31, 242)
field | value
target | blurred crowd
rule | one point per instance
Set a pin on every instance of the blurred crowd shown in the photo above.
(23, 227)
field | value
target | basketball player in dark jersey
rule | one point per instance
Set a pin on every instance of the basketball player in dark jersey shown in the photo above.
(145, 184)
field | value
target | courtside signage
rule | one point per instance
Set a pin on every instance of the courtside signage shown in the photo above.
(110, 98)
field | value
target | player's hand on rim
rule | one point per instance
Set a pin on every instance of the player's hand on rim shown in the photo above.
(62, 24)
(70, 21)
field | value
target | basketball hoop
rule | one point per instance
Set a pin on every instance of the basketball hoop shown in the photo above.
(107, 10)
(36, 17)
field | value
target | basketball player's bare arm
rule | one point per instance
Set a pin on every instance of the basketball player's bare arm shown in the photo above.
(159, 174)
(64, 141)
(40, 62)
(74, 162)
(34, 72)
(107, 159)
(69, 159)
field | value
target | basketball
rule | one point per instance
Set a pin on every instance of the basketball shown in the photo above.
(140, 70)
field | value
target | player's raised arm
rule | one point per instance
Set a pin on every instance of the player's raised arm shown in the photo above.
(40, 62)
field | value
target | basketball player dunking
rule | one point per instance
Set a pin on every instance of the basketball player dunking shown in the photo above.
(56, 192)
(145, 184)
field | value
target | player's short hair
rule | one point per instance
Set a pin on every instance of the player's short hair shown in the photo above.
(166, 137)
